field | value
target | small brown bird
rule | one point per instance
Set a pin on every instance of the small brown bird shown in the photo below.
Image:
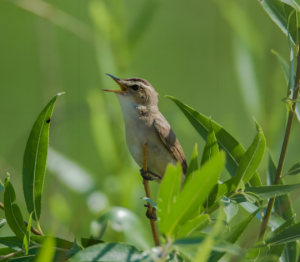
(144, 122)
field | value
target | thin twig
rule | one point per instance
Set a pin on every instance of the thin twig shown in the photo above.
(283, 151)
(147, 190)
(33, 230)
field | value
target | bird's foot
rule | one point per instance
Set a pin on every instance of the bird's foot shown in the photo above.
(153, 215)
(145, 175)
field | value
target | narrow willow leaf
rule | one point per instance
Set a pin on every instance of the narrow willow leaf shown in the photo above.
(168, 193)
(194, 193)
(108, 252)
(284, 226)
(288, 235)
(87, 242)
(2, 222)
(12, 211)
(274, 253)
(292, 79)
(29, 258)
(1, 186)
(59, 242)
(246, 197)
(75, 249)
(252, 158)
(211, 148)
(26, 240)
(47, 252)
(13, 242)
(233, 235)
(284, 65)
(265, 192)
(193, 166)
(35, 158)
(226, 187)
(195, 224)
(275, 10)
(293, 3)
(6, 250)
(294, 170)
(233, 148)
(230, 207)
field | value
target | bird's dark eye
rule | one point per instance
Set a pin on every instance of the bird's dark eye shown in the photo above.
(135, 87)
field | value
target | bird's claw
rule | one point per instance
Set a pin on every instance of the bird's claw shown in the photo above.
(153, 215)
(146, 176)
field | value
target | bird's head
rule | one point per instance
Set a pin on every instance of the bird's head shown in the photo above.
(135, 90)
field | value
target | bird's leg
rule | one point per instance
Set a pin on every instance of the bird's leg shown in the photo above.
(145, 175)
(152, 216)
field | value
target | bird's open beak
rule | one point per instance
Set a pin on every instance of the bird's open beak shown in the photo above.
(124, 89)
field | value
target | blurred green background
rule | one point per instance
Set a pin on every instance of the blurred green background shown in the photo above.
(212, 55)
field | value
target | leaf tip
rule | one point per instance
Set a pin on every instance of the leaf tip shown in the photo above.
(61, 93)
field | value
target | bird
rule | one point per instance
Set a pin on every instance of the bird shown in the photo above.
(145, 123)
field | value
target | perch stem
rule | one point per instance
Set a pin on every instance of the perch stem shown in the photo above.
(147, 191)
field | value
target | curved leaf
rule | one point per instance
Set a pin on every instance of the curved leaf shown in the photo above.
(12, 211)
(35, 158)
(233, 148)
(193, 166)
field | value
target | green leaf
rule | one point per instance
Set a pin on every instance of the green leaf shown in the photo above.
(211, 148)
(87, 242)
(252, 158)
(284, 65)
(193, 166)
(150, 201)
(266, 192)
(13, 242)
(35, 158)
(276, 11)
(1, 186)
(233, 235)
(246, 197)
(233, 148)
(294, 170)
(194, 192)
(108, 252)
(6, 250)
(75, 249)
(26, 240)
(230, 207)
(2, 222)
(290, 234)
(195, 224)
(47, 252)
(284, 226)
(23, 259)
(12, 211)
(293, 3)
(59, 242)
(274, 253)
(167, 196)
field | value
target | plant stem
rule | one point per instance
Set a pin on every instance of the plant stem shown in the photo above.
(33, 230)
(147, 190)
(283, 151)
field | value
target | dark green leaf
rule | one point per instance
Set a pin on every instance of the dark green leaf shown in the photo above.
(266, 192)
(6, 250)
(59, 242)
(294, 170)
(12, 211)
(246, 197)
(230, 207)
(108, 252)
(87, 242)
(233, 149)
(252, 158)
(23, 259)
(12, 242)
(35, 158)
(167, 196)
(75, 249)
(193, 166)
(26, 240)
(194, 192)
(293, 3)
(195, 224)
(284, 226)
(274, 253)
(284, 65)
(288, 235)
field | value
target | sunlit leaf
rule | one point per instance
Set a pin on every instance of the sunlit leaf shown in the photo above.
(108, 252)
(167, 196)
(252, 158)
(35, 158)
(26, 240)
(195, 224)
(193, 166)
(194, 192)
(293, 3)
(46, 253)
(234, 150)
(12, 211)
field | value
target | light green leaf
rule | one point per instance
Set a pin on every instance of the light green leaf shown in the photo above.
(266, 192)
(35, 158)
(284, 65)
(2, 222)
(195, 224)
(234, 150)
(108, 252)
(12, 211)
(167, 196)
(293, 3)
(26, 240)
(294, 170)
(194, 192)
(233, 235)
(230, 207)
(246, 197)
(252, 158)
(193, 166)
(274, 253)
(46, 253)
(1, 186)
(290, 234)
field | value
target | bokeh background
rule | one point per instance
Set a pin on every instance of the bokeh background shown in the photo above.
(212, 55)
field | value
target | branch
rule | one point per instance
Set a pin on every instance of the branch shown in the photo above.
(33, 230)
(283, 150)
(147, 190)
